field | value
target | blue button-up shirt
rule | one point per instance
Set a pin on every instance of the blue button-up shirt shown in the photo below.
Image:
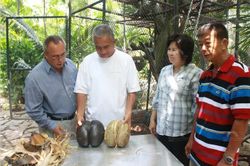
(47, 91)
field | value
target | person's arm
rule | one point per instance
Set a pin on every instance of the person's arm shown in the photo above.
(238, 133)
(81, 105)
(33, 105)
(58, 130)
(152, 124)
(194, 82)
(240, 99)
(189, 144)
(194, 88)
(156, 102)
(129, 106)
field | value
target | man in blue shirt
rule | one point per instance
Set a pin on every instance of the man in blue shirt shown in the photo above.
(49, 97)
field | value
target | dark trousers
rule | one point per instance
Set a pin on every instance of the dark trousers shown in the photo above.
(176, 145)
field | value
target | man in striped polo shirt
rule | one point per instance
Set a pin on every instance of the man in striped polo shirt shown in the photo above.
(223, 100)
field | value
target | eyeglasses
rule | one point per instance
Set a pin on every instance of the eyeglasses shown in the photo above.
(58, 57)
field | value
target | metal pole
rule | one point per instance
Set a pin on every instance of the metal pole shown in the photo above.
(18, 7)
(124, 30)
(236, 51)
(8, 67)
(104, 11)
(86, 7)
(68, 30)
(148, 91)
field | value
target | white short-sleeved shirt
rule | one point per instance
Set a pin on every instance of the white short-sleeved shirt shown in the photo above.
(107, 81)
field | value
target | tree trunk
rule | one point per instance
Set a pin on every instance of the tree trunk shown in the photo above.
(163, 28)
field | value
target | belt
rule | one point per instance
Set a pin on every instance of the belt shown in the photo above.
(173, 139)
(62, 118)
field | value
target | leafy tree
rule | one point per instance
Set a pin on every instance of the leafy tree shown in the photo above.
(176, 16)
(25, 48)
(244, 31)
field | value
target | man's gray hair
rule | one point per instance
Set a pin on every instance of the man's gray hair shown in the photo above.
(103, 30)
(53, 38)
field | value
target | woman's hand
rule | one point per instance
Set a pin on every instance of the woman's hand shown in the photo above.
(152, 127)
(152, 124)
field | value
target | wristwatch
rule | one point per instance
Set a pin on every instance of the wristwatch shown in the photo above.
(228, 159)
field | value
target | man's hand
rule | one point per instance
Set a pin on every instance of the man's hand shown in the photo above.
(188, 146)
(127, 119)
(129, 106)
(222, 163)
(58, 131)
(79, 119)
(80, 112)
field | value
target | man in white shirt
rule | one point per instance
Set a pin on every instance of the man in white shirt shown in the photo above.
(107, 81)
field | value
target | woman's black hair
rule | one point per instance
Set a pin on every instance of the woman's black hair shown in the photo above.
(186, 45)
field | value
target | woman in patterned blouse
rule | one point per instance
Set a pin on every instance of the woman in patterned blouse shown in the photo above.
(174, 101)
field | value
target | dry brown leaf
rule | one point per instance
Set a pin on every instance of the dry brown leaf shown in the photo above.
(37, 139)
(52, 150)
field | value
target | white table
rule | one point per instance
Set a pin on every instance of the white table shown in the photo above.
(142, 150)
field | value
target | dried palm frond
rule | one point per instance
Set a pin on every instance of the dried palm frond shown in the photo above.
(39, 150)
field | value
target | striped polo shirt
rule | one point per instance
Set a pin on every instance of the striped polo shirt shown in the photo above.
(222, 97)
